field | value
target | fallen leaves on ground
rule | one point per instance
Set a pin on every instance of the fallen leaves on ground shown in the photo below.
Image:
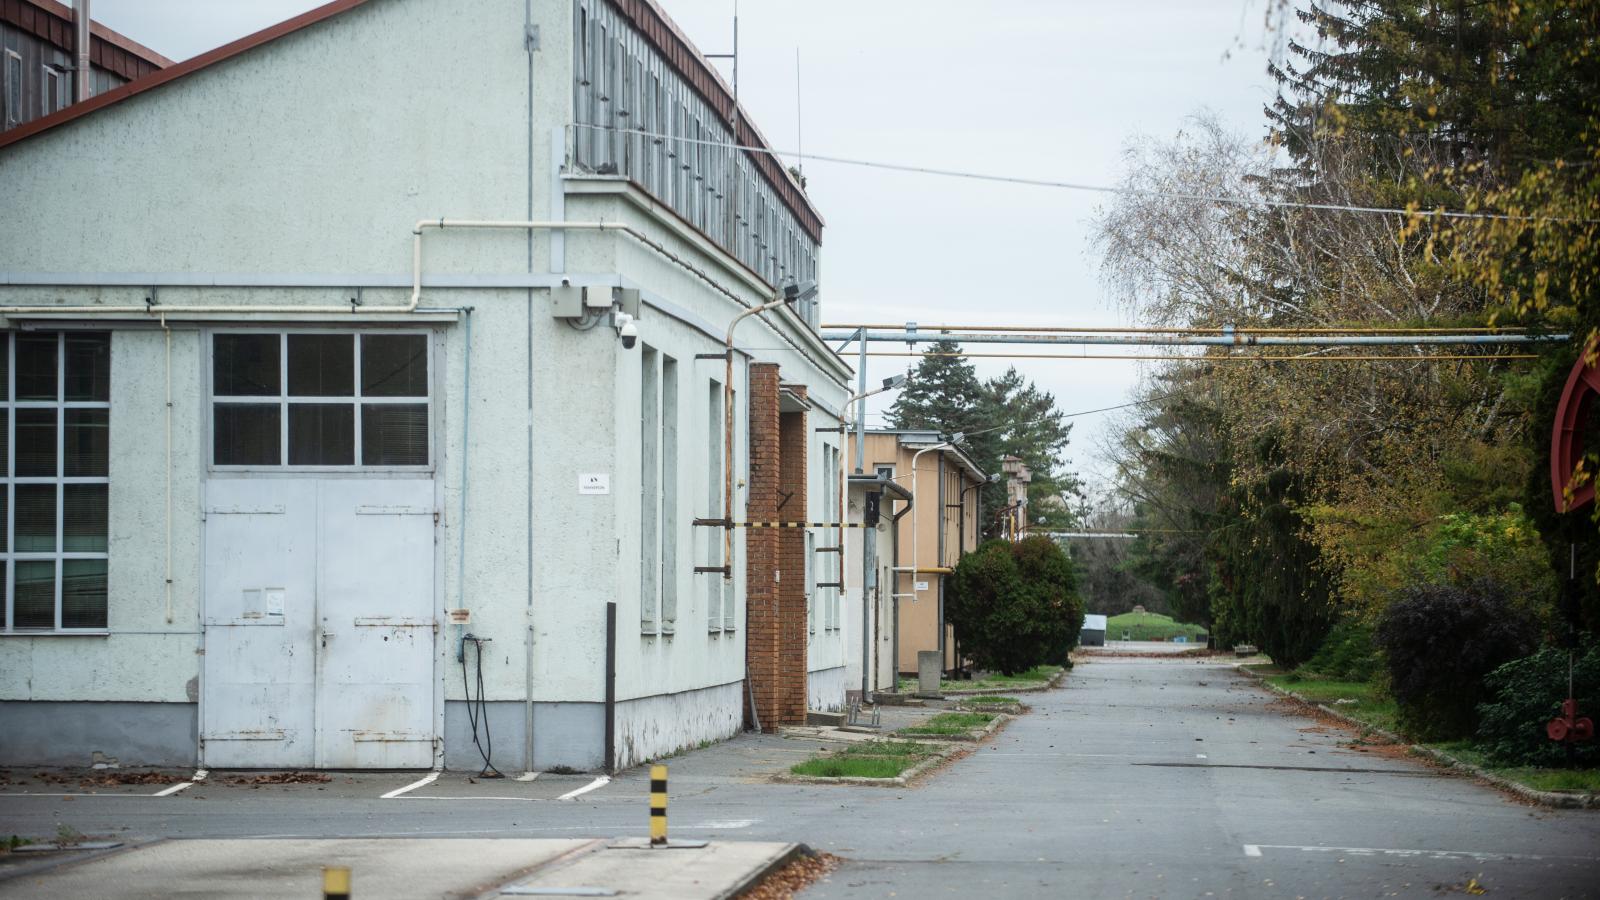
(793, 878)
(280, 778)
(111, 779)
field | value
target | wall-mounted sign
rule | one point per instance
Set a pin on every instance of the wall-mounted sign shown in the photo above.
(594, 483)
(922, 585)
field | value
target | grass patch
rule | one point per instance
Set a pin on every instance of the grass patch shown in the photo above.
(1036, 677)
(950, 723)
(867, 759)
(992, 700)
(1375, 709)
(855, 766)
(1370, 706)
(1135, 626)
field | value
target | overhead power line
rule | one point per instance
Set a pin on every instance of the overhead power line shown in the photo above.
(1224, 199)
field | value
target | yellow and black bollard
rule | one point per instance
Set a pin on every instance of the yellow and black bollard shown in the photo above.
(658, 806)
(335, 883)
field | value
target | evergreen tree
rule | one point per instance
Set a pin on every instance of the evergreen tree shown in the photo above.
(943, 393)
(1004, 416)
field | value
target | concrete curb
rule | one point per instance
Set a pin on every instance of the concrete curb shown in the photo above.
(1010, 709)
(47, 864)
(973, 736)
(1052, 684)
(759, 874)
(904, 779)
(1553, 799)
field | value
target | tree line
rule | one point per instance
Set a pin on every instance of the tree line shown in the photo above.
(1320, 508)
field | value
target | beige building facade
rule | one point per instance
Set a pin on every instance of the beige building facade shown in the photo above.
(932, 533)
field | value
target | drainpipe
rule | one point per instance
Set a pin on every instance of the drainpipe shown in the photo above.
(894, 596)
(80, 44)
(954, 440)
(943, 521)
(530, 44)
(790, 294)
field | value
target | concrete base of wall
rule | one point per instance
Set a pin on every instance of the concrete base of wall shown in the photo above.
(826, 687)
(652, 727)
(66, 733)
(569, 735)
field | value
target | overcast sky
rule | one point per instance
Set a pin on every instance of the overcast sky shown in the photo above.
(1042, 88)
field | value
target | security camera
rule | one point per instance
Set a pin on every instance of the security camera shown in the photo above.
(627, 330)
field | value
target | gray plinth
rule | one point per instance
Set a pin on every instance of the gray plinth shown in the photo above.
(929, 668)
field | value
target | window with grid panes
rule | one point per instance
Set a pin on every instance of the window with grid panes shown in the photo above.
(57, 395)
(320, 399)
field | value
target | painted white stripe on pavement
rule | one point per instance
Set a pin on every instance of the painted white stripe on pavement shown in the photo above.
(1200, 756)
(199, 776)
(600, 782)
(1474, 855)
(427, 779)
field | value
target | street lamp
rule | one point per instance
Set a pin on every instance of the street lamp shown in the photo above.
(889, 384)
(961, 504)
(792, 293)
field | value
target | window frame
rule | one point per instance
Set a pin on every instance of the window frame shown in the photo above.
(9, 481)
(11, 95)
(356, 400)
(51, 80)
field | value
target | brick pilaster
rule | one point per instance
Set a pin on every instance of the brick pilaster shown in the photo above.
(761, 545)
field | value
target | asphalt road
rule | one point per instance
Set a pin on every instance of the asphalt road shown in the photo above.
(1142, 777)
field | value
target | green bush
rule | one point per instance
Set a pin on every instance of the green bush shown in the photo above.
(1015, 605)
(1440, 641)
(1526, 693)
(1348, 653)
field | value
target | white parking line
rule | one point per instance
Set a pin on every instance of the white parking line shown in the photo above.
(1474, 855)
(600, 782)
(430, 778)
(199, 776)
(1200, 756)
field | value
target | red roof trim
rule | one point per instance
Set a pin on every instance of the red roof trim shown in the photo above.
(172, 73)
(115, 39)
(683, 56)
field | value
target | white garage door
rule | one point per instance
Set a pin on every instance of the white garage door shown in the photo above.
(319, 552)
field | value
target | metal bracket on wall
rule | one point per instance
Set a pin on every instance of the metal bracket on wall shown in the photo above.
(720, 570)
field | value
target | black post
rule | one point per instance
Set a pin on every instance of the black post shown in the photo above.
(611, 687)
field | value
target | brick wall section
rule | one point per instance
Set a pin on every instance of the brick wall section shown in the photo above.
(792, 613)
(761, 546)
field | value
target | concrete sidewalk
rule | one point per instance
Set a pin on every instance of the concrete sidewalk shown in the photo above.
(459, 868)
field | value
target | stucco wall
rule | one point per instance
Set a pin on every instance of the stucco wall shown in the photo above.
(273, 163)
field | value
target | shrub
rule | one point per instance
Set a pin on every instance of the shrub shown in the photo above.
(1440, 641)
(1348, 653)
(1015, 605)
(1524, 694)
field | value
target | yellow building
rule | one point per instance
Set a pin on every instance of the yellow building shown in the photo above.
(941, 524)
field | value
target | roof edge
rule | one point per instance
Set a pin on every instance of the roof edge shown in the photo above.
(114, 38)
(178, 70)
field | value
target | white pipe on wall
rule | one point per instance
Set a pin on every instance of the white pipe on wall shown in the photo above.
(168, 332)
(915, 537)
(81, 71)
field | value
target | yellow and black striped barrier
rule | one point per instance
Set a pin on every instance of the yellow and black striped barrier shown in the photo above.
(658, 806)
(335, 883)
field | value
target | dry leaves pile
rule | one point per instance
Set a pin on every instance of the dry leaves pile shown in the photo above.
(793, 878)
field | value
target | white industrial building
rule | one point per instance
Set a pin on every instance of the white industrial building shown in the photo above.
(304, 383)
